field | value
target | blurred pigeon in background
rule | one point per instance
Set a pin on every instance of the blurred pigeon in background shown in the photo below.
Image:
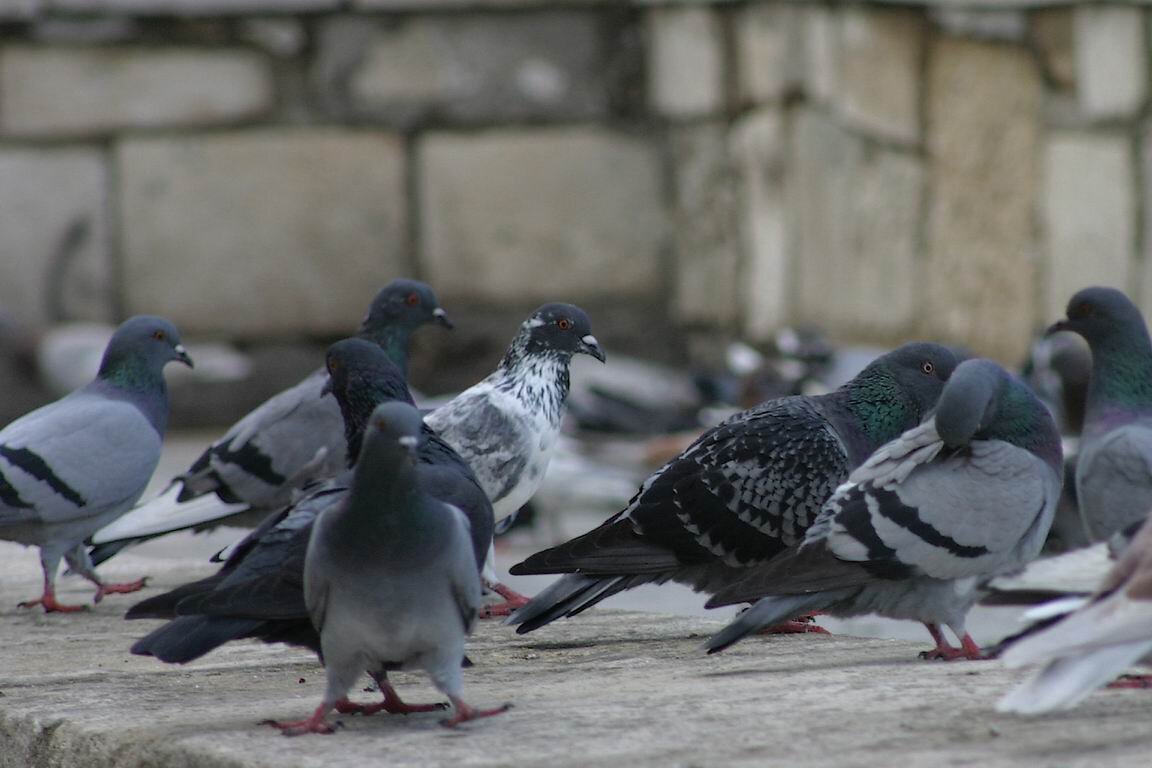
(77, 464)
(967, 495)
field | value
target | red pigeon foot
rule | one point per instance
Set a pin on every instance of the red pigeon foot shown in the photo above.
(464, 713)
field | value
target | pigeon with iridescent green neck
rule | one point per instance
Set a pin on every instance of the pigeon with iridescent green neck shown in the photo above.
(1114, 471)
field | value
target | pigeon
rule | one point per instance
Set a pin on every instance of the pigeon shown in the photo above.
(258, 592)
(506, 426)
(1114, 469)
(73, 466)
(390, 580)
(744, 491)
(966, 496)
(290, 439)
(1090, 645)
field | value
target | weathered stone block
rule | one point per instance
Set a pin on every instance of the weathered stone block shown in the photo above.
(685, 61)
(1111, 60)
(1054, 35)
(1089, 216)
(977, 286)
(854, 211)
(705, 237)
(467, 67)
(80, 91)
(542, 215)
(54, 235)
(768, 51)
(262, 233)
(880, 57)
(758, 158)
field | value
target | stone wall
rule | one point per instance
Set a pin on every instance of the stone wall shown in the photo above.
(258, 168)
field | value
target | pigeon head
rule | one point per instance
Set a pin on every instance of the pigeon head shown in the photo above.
(394, 432)
(360, 377)
(1101, 315)
(139, 350)
(560, 329)
(406, 304)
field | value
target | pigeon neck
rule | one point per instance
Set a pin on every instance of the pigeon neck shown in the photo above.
(133, 380)
(393, 339)
(879, 408)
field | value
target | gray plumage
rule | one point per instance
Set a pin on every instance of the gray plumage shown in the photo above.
(966, 496)
(73, 466)
(295, 437)
(390, 578)
(1114, 470)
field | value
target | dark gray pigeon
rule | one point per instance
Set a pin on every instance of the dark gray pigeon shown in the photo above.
(506, 426)
(390, 580)
(743, 492)
(295, 437)
(1114, 469)
(73, 466)
(966, 496)
(258, 593)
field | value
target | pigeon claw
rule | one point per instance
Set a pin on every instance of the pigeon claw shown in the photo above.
(465, 712)
(103, 589)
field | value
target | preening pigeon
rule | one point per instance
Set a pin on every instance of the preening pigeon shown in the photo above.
(506, 426)
(1114, 470)
(967, 495)
(743, 492)
(258, 593)
(390, 579)
(1092, 644)
(295, 437)
(77, 464)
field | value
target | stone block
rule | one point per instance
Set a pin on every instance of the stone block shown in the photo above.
(1111, 60)
(853, 211)
(54, 236)
(978, 282)
(541, 215)
(466, 67)
(705, 236)
(758, 158)
(192, 7)
(1053, 33)
(880, 57)
(767, 51)
(1088, 216)
(685, 61)
(263, 233)
(70, 91)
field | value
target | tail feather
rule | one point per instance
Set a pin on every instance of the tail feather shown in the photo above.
(1065, 682)
(768, 612)
(187, 638)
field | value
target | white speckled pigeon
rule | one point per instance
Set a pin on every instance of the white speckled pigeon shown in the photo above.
(966, 496)
(1114, 471)
(258, 593)
(506, 426)
(77, 464)
(295, 437)
(390, 579)
(1091, 645)
(743, 492)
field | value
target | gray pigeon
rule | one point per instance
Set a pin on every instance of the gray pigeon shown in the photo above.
(506, 426)
(77, 464)
(1114, 470)
(966, 496)
(1088, 646)
(296, 436)
(743, 492)
(390, 580)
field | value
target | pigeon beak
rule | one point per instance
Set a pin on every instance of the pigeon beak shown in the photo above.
(182, 355)
(326, 389)
(1056, 327)
(442, 318)
(589, 346)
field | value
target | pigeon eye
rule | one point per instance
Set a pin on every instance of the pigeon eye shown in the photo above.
(564, 324)
(159, 335)
(412, 300)
(927, 367)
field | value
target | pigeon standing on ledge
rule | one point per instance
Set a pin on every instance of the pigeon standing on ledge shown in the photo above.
(390, 580)
(506, 426)
(743, 492)
(966, 496)
(293, 438)
(77, 464)
(1114, 470)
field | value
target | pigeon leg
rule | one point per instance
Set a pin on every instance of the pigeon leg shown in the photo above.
(1132, 681)
(392, 703)
(465, 712)
(944, 650)
(317, 723)
(48, 598)
(512, 601)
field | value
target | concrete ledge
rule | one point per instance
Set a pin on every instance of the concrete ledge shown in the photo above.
(611, 688)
